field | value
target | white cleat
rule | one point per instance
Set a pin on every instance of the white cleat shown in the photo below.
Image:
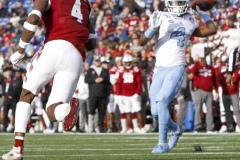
(47, 130)
(137, 130)
(143, 130)
(14, 154)
(237, 129)
(9, 128)
(31, 130)
(211, 132)
(223, 129)
(130, 130)
(123, 131)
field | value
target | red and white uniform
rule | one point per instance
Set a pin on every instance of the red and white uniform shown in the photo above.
(63, 54)
(66, 20)
(114, 98)
(129, 86)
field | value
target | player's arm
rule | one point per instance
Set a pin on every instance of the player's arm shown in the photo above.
(231, 64)
(207, 30)
(29, 29)
(91, 44)
(154, 24)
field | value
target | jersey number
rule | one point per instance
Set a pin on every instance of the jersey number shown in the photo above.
(179, 35)
(127, 78)
(76, 11)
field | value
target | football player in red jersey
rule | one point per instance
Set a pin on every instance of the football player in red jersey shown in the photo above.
(129, 87)
(115, 99)
(68, 33)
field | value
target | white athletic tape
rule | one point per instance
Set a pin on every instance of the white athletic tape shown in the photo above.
(92, 36)
(22, 44)
(30, 27)
(37, 12)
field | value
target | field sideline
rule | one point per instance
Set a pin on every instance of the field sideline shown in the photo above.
(73, 146)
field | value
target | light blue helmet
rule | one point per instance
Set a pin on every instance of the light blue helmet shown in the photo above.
(176, 9)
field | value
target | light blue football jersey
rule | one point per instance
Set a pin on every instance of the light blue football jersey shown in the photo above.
(172, 39)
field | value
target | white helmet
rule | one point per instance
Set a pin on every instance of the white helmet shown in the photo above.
(175, 9)
(127, 58)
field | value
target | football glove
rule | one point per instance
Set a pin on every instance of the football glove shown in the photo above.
(16, 58)
(155, 20)
(199, 12)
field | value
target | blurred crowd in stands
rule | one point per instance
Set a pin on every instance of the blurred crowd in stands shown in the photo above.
(119, 25)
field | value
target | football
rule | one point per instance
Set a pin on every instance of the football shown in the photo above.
(204, 5)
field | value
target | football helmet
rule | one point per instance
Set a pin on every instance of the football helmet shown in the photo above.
(127, 58)
(177, 7)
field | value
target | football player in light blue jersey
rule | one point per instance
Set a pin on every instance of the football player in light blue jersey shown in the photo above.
(173, 30)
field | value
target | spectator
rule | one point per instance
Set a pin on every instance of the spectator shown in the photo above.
(3, 11)
(83, 95)
(23, 16)
(206, 82)
(98, 81)
(15, 19)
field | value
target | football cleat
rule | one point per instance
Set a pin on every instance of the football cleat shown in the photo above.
(143, 130)
(137, 130)
(47, 130)
(71, 115)
(15, 154)
(223, 129)
(211, 132)
(175, 136)
(123, 131)
(161, 148)
(130, 130)
(31, 130)
(237, 129)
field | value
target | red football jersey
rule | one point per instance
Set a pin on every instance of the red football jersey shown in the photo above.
(205, 76)
(68, 20)
(114, 71)
(222, 74)
(129, 82)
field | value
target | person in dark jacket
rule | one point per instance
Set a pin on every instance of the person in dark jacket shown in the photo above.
(11, 99)
(98, 80)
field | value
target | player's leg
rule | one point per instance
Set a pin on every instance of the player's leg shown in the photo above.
(172, 80)
(82, 115)
(69, 67)
(93, 103)
(42, 70)
(235, 104)
(222, 112)
(198, 110)
(137, 115)
(209, 114)
(126, 107)
(120, 100)
(228, 114)
(102, 109)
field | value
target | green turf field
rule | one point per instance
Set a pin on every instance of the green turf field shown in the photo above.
(123, 147)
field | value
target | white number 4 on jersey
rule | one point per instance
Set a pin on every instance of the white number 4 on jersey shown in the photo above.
(76, 11)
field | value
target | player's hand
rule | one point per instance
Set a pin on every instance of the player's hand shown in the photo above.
(155, 20)
(16, 58)
(199, 12)
(137, 97)
(229, 80)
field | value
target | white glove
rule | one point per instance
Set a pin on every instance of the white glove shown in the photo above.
(155, 20)
(16, 58)
(199, 12)
(136, 97)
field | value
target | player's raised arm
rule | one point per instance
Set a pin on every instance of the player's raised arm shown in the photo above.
(154, 24)
(207, 30)
(29, 29)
